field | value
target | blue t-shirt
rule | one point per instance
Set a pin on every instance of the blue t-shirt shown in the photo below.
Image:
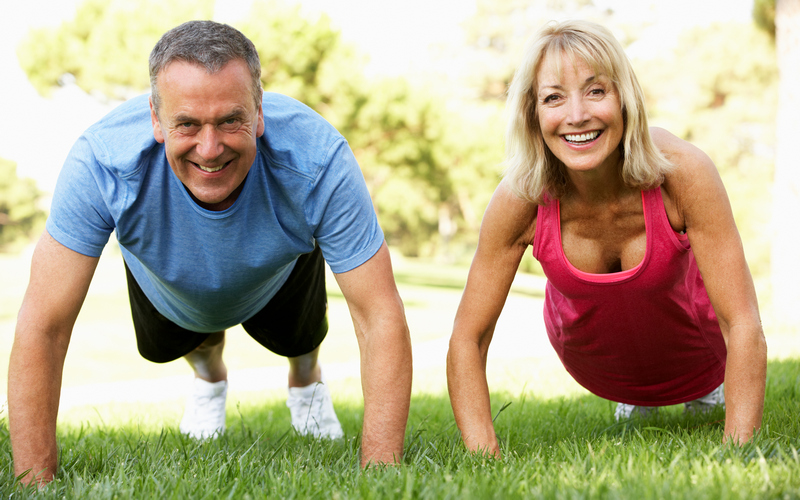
(206, 270)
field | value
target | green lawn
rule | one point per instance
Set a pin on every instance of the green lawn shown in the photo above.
(558, 440)
(562, 447)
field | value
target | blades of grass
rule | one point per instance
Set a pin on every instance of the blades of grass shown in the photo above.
(281, 442)
(257, 439)
(501, 410)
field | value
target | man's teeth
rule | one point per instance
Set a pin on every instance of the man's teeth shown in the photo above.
(211, 169)
(589, 136)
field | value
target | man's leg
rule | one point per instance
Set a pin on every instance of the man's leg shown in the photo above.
(309, 399)
(160, 340)
(206, 359)
(293, 324)
(304, 370)
(204, 416)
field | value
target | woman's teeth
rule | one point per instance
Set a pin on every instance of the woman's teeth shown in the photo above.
(578, 138)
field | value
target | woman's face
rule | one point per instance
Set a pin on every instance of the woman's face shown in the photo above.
(580, 115)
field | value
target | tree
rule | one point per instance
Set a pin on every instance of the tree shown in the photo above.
(764, 15)
(786, 191)
(428, 168)
(718, 89)
(20, 216)
(106, 46)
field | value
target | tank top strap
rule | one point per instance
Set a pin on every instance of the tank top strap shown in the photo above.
(656, 215)
(546, 221)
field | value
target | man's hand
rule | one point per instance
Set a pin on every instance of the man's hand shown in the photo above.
(59, 281)
(383, 338)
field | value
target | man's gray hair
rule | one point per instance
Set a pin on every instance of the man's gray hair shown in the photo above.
(208, 44)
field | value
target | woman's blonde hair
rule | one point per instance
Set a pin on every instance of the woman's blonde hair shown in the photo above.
(531, 168)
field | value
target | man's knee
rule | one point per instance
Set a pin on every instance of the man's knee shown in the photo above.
(211, 342)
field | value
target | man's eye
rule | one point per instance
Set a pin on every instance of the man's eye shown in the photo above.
(231, 124)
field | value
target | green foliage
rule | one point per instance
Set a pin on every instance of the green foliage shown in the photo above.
(20, 216)
(429, 170)
(106, 46)
(431, 161)
(498, 31)
(553, 448)
(300, 56)
(723, 99)
(764, 15)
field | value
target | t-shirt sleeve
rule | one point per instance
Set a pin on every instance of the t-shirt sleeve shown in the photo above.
(79, 217)
(347, 228)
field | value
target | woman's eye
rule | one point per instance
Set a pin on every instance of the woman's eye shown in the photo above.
(550, 98)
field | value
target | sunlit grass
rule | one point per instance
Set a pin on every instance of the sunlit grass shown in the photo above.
(561, 447)
(558, 441)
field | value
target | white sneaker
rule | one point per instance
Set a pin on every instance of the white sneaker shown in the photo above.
(708, 402)
(312, 411)
(625, 411)
(204, 416)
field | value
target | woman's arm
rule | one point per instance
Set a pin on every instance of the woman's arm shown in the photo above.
(700, 201)
(506, 231)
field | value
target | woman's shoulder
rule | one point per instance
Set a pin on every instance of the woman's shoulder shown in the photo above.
(690, 163)
(682, 154)
(510, 217)
(694, 176)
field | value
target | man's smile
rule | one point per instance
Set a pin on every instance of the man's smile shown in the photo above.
(211, 169)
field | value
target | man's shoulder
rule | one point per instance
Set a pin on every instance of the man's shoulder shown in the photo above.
(296, 136)
(123, 136)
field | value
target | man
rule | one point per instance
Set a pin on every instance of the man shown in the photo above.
(224, 200)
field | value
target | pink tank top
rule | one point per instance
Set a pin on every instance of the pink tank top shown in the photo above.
(646, 336)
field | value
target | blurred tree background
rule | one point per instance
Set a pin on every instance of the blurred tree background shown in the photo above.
(781, 19)
(20, 215)
(431, 150)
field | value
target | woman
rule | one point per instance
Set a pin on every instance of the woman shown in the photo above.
(624, 225)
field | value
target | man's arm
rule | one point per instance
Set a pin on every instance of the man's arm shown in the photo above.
(506, 231)
(58, 284)
(380, 325)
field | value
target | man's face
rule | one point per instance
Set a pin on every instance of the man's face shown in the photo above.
(208, 125)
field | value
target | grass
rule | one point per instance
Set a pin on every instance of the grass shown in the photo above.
(558, 441)
(563, 447)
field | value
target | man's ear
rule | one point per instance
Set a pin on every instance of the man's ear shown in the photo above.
(260, 126)
(157, 132)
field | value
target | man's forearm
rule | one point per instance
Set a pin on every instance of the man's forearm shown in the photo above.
(386, 373)
(34, 381)
(745, 380)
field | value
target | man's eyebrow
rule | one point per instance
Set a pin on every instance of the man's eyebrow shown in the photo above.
(182, 118)
(237, 113)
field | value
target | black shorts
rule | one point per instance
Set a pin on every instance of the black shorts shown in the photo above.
(292, 323)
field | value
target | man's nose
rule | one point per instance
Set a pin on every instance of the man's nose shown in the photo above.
(209, 146)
